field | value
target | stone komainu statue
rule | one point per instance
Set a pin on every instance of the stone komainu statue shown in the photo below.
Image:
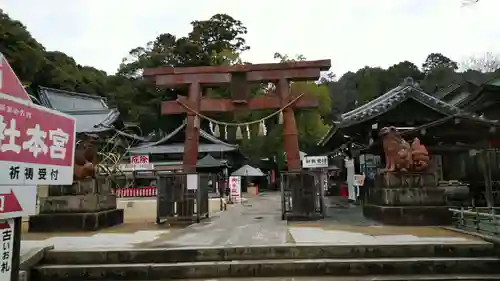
(400, 155)
(85, 159)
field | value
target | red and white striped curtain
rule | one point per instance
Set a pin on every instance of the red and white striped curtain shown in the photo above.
(149, 191)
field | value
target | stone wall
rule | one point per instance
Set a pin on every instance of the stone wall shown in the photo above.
(87, 203)
(144, 210)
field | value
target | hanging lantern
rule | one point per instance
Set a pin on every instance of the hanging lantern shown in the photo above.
(248, 131)
(280, 118)
(239, 135)
(216, 131)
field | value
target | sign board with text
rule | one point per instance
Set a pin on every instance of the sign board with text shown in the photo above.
(17, 201)
(235, 186)
(136, 167)
(359, 180)
(192, 181)
(315, 162)
(6, 248)
(139, 159)
(37, 144)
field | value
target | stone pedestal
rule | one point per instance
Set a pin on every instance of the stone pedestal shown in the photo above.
(85, 206)
(405, 198)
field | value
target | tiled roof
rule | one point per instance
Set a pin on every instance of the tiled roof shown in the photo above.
(179, 148)
(209, 161)
(161, 146)
(91, 112)
(442, 93)
(382, 104)
(468, 101)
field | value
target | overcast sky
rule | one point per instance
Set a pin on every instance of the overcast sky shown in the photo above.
(352, 33)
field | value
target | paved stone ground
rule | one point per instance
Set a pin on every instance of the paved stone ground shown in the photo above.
(369, 278)
(254, 222)
(338, 210)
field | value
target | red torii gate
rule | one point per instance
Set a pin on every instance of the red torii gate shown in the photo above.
(198, 78)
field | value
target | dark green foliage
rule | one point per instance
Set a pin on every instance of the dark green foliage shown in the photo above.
(216, 41)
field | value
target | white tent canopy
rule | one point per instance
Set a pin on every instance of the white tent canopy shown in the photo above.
(248, 171)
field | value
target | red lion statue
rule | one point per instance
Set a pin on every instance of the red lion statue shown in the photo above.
(85, 159)
(400, 155)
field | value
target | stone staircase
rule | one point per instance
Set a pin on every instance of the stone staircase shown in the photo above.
(460, 261)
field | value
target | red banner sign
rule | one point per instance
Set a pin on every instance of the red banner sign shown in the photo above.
(37, 144)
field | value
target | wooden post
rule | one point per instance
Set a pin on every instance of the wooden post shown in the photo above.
(488, 192)
(190, 156)
(290, 134)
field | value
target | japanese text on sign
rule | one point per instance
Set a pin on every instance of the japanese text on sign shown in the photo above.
(139, 159)
(31, 174)
(36, 144)
(6, 250)
(315, 162)
(235, 186)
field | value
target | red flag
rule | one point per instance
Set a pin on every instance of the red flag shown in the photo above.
(9, 83)
(9, 203)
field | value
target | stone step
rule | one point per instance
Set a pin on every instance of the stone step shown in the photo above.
(479, 277)
(268, 268)
(167, 255)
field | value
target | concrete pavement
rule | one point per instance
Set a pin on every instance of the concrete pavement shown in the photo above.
(255, 222)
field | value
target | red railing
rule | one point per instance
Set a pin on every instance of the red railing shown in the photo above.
(148, 191)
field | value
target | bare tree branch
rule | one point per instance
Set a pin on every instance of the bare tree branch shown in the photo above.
(489, 62)
(468, 2)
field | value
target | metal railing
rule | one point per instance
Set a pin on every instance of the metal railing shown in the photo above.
(479, 219)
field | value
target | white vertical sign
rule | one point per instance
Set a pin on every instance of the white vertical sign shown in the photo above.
(6, 248)
(235, 187)
(349, 164)
(192, 181)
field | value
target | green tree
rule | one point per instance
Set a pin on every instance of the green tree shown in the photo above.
(437, 61)
(215, 41)
(221, 33)
(398, 72)
(23, 52)
(59, 71)
(440, 71)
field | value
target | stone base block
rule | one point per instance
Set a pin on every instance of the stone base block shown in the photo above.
(75, 221)
(407, 196)
(302, 217)
(408, 215)
(405, 179)
(87, 203)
